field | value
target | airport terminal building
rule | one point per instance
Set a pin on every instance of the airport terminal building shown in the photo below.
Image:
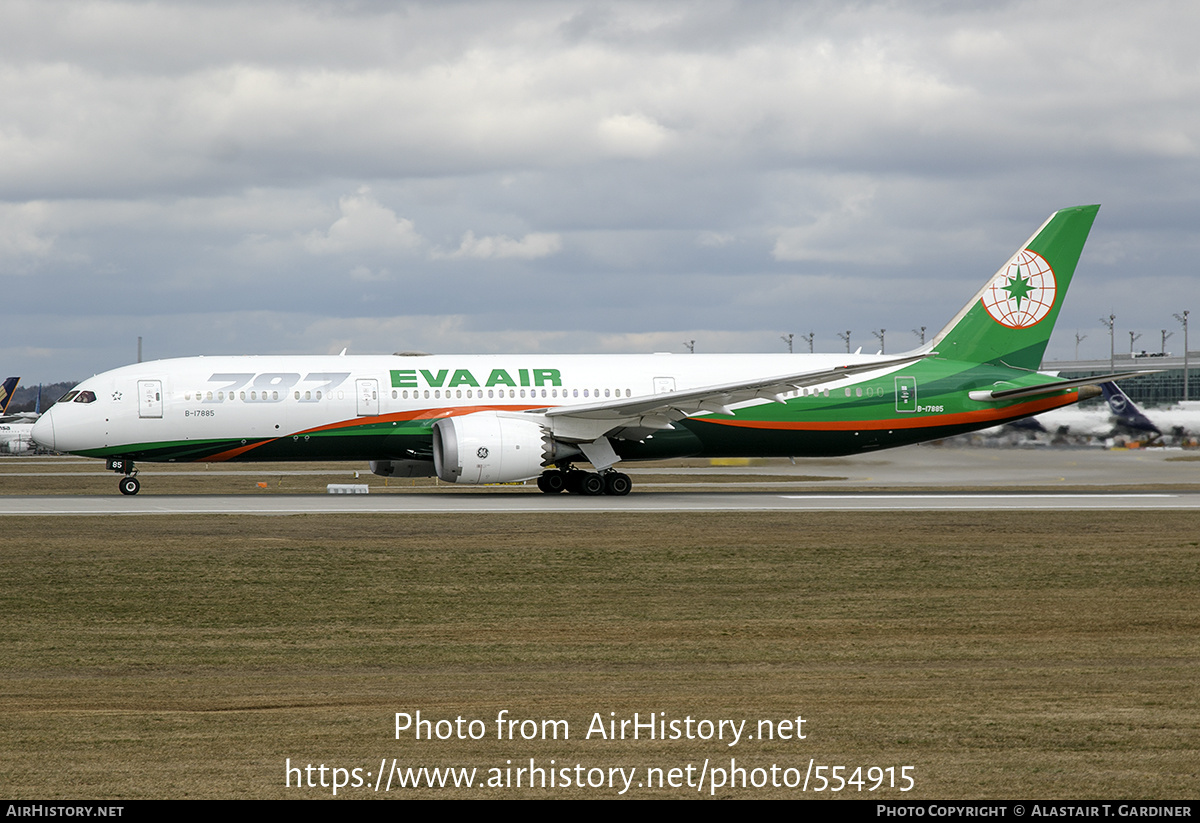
(1162, 389)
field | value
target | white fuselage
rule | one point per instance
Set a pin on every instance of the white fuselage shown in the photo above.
(244, 398)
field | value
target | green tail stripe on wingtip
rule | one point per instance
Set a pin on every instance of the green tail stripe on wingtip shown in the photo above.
(976, 335)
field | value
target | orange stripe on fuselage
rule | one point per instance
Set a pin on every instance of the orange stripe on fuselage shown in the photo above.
(418, 414)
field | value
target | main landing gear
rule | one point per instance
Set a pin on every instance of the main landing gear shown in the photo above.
(129, 483)
(576, 481)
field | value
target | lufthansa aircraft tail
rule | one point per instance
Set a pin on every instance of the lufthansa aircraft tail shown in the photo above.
(1008, 323)
(1126, 411)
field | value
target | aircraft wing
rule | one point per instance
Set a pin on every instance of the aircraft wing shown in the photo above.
(657, 411)
(986, 395)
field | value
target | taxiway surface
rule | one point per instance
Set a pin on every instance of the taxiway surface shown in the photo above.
(917, 478)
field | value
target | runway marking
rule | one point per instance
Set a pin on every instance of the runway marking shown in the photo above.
(979, 496)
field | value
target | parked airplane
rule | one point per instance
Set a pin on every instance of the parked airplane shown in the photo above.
(1179, 421)
(16, 430)
(16, 436)
(1118, 415)
(503, 418)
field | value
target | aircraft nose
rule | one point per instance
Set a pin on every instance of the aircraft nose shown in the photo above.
(43, 430)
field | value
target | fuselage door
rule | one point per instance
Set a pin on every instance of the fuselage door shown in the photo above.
(150, 402)
(368, 396)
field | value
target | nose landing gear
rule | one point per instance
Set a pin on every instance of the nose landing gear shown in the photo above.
(129, 483)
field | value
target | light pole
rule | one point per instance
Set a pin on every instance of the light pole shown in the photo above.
(1183, 319)
(690, 345)
(920, 334)
(808, 338)
(1165, 335)
(1079, 338)
(846, 337)
(1132, 338)
(1112, 351)
(787, 338)
(879, 336)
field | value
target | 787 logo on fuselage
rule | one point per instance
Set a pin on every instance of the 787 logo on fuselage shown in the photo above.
(270, 387)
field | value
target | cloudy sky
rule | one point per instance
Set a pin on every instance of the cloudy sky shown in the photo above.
(578, 177)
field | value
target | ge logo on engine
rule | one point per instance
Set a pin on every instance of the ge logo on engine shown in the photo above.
(482, 453)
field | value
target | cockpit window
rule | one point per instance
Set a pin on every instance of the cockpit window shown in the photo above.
(85, 397)
(68, 397)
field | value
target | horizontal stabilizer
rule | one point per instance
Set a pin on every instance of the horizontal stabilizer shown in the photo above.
(997, 395)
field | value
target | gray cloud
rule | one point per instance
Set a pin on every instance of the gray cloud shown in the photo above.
(297, 177)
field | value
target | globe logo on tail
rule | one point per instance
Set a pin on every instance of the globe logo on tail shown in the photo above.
(1022, 293)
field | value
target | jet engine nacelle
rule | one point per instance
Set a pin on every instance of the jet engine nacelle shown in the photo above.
(402, 468)
(489, 447)
(18, 446)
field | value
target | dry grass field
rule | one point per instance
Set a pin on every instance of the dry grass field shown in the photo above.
(1000, 655)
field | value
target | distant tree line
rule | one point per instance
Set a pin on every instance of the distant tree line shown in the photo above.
(25, 397)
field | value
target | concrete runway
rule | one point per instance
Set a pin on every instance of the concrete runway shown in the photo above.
(915, 478)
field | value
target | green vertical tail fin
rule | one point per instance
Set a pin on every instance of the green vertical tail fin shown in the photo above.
(1010, 320)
